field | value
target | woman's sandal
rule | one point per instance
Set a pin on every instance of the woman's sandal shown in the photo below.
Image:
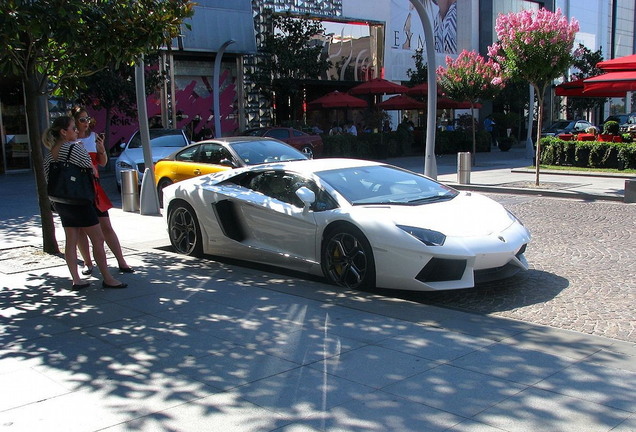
(87, 271)
(121, 285)
(77, 287)
(126, 269)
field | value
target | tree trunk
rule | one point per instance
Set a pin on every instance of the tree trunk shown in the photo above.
(32, 92)
(537, 155)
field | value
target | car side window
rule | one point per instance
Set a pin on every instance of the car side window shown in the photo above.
(280, 134)
(213, 154)
(282, 186)
(188, 155)
(298, 133)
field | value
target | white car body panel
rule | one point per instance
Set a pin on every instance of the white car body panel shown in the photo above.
(478, 230)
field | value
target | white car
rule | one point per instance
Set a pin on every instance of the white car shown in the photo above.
(358, 223)
(162, 142)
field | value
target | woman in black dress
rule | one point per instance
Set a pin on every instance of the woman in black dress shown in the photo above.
(59, 139)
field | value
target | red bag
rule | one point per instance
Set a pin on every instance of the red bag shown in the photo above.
(102, 202)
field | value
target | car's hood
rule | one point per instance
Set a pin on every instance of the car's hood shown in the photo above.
(136, 155)
(466, 215)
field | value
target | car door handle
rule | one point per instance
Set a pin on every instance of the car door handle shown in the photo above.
(197, 172)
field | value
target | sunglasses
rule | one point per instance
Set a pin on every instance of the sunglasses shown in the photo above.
(84, 119)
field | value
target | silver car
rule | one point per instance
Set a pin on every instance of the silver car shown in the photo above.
(163, 142)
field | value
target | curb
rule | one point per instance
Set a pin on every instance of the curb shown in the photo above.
(538, 192)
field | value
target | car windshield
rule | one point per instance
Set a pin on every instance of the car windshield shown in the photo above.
(161, 138)
(265, 151)
(382, 184)
(557, 126)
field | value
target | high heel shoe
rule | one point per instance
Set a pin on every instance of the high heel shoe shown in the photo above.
(121, 285)
(126, 269)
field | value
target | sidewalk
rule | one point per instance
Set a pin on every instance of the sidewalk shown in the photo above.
(207, 345)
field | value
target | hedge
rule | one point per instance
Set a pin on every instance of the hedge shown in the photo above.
(399, 143)
(591, 154)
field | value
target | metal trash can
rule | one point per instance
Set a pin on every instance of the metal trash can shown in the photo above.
(129, 191)
(463, 167)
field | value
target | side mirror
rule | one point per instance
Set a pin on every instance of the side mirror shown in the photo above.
(227, 162)
(307, 196)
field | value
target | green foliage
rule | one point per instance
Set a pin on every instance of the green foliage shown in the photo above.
(59, 43)
(420, 74)
(611, 127)
(449, 142)
(289, 55)
(589, 154)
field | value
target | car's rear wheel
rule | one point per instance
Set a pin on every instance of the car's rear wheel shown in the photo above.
(347, 258)
(163, 183)
(308, 151)
(184, 230)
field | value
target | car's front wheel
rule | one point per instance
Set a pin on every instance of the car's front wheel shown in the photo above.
(308, 151)
(163, 183)
(184, 230)
(347, 258)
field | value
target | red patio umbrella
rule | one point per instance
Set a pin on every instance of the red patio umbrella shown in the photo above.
(575, 89)
(626, 63)
(401, 102)
(420, 90)
(612, 81)
(378, 86)
(336, 99)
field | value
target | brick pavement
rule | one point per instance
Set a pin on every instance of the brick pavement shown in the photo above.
(582, 273)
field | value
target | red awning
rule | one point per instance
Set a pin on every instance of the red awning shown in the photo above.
(626, 63)
(612, 81)
(575, 89)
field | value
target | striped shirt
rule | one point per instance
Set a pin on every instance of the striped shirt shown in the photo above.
(446, 31)
(79, 157)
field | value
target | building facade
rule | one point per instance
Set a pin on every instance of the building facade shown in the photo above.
(363, 39)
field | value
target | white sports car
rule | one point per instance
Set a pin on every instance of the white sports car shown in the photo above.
(358, 223)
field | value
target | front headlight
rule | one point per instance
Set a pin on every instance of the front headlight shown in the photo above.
(426, 236)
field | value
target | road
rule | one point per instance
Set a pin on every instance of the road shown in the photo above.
(582, 275)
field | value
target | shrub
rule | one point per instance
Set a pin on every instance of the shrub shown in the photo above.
(611, 127)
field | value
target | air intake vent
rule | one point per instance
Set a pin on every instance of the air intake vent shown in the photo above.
(440, 270)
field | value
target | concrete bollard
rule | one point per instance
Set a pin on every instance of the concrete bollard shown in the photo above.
(463, 167)
(630, 191)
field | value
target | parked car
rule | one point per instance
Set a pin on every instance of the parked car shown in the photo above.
(358, 223)
(162, 142)
(566, 127)
(311, 145)
(624, 121)
(220, 154)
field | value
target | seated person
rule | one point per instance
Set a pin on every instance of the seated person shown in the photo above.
(591, 134)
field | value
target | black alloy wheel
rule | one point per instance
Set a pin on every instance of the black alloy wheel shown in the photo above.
(184, 230)
(347, 258)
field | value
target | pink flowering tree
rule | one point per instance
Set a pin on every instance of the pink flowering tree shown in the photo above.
(470, 77)
(535, 46)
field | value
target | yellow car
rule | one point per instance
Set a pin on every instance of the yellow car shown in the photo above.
(214, 155)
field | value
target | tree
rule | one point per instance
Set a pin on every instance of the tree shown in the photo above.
(535, 46)
(420, 74)
(585, 60)
(113, 88)
(290, 54)
(50, 43)
(470, 77)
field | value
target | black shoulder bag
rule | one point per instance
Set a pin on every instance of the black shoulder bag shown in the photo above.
(70, 183)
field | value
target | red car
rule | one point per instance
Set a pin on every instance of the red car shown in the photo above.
(311, 145)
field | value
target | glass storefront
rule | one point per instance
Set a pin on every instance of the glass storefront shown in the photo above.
(15, 154)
